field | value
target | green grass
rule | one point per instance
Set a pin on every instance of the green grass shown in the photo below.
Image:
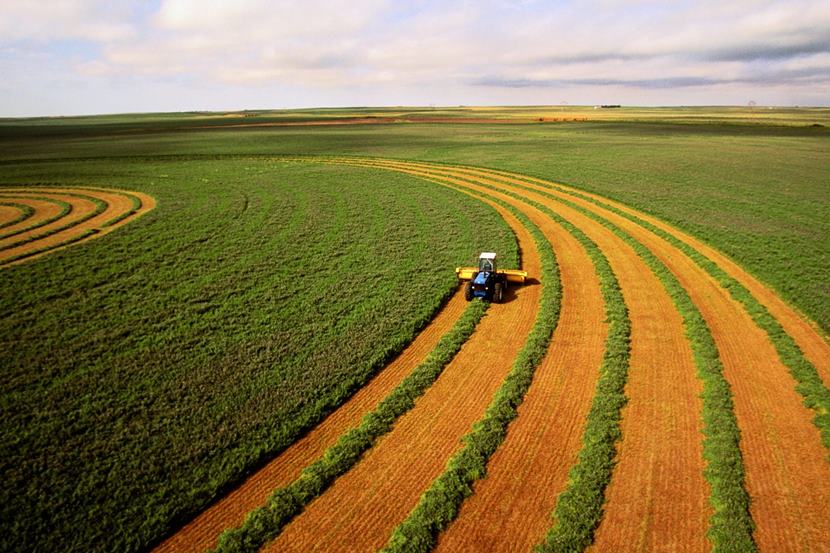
(439, 504)
(266, 522)
(146, 372)
(755, 189)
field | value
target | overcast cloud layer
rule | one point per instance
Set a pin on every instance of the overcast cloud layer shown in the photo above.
(98, 56)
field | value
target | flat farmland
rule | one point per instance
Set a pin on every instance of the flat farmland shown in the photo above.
(276, 357)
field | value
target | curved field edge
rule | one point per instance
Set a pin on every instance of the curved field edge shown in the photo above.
(266, 522)
(140, 204)
(731, 524)
(810, 385)
(439, 504)
(195, 273)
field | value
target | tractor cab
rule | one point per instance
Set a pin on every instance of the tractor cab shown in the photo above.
(487, 262)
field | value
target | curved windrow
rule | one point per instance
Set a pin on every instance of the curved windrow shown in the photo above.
(36, 221)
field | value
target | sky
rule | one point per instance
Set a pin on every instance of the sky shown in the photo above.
(73, 57)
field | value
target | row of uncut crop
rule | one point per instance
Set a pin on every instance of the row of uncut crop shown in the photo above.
(579, 509)
(181, 351)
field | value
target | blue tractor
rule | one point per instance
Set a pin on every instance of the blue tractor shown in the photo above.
(486, 281)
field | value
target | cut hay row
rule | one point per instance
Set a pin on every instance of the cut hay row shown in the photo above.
(46, 211)
(361, 509)
(786, 475)
(64, 216)
(439, 504)
(265, 522)
(781, 510)
(731, 525)
(661, 434)
(12, 213)
(230, 512)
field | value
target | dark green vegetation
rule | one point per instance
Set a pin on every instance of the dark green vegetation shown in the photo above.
(148, 370)
(440, 503)
(265, 523)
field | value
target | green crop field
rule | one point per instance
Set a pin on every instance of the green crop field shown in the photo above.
(146, 372)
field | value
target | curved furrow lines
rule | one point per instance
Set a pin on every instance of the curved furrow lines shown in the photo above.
(64, 216)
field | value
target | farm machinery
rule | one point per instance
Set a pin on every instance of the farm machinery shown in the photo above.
(487, 281)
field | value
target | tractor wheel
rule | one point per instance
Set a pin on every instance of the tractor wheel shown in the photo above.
(468, 291)
(498, 292)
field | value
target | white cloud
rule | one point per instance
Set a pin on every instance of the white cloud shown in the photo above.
(431, 49)
(48, 20)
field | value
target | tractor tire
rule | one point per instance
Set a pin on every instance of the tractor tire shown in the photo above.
(498, 292)
(468, 291)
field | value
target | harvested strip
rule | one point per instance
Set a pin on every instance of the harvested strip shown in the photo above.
(266, 522)
(812, 343)
(360, 510)
(46, 210)
(785, 472)
(203, 532)
(661, 454)
(510, 508)
(92, 210)
(12, 214)
(442, 500)
(81, 208)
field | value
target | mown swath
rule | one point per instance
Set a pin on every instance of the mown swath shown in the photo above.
(64, 216)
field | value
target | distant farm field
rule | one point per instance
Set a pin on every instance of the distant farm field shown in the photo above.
(285, 270)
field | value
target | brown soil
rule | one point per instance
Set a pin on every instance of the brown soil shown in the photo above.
(117, 204)
(658, 496)
(360, 510)
(44, 211)
(510, 509)
(203, 532)
(9, 213)
(787, 473)
(811, 341)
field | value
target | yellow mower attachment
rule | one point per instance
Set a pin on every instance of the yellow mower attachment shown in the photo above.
(512, 275)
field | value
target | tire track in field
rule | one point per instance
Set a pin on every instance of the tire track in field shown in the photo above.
(360, 509)
(661, 452)
(203, 532)
(787, 475)
(94, 212)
